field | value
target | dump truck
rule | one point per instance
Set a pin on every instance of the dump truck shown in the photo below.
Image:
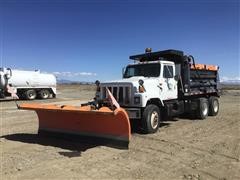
(26, 84)
(156, 85)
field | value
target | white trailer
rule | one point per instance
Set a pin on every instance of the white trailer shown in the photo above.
(27, 84)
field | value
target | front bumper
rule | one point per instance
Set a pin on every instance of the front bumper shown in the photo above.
(133, 113)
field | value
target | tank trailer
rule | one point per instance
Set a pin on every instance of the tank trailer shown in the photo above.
(26, 84)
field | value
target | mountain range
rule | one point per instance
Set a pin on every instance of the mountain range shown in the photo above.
(223, 81)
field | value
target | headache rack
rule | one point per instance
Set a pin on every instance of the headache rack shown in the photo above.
(176, 56)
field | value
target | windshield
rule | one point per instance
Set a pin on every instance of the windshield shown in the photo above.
(146, 70)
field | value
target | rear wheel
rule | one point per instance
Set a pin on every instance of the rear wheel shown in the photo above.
(30, 94)
(44, 94)
(213, 106)
(151, 119)
(203, 108)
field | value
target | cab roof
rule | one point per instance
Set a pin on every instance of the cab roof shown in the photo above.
(176, 56)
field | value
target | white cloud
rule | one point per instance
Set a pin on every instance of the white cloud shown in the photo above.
(226, 78)
(56, 73)
(74, 74)
(87, 74)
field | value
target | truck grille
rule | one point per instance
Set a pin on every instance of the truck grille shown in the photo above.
(121, 93)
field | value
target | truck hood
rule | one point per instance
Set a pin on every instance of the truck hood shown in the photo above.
(132, 80)
(127, 80)
(148, 82)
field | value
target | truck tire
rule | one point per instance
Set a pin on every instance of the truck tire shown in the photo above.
(30, 94)
(2, 94)
(213, 106)
(44, 94)
(151, 119)
(203, 108)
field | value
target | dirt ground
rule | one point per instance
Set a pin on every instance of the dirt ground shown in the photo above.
(181, 149)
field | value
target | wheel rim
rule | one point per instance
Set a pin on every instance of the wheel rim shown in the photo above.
(154, 119)
(31, 95)
(215, 106)
(205, 109)
(45, 94)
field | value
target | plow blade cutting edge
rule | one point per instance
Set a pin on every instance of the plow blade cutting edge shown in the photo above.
(104, 125)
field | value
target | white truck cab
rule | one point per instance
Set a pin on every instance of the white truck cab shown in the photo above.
(142, 82)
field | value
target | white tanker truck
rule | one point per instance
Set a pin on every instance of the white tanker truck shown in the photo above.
(27, 84)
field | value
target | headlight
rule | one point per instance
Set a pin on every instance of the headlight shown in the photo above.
(137, 100)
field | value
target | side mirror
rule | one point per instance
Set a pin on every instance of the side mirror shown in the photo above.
(176, 77)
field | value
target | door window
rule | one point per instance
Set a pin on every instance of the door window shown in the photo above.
(168, 71)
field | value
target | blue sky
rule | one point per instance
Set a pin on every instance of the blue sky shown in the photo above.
(89, 40)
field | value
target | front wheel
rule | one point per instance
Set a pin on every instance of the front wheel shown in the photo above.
(151, 119)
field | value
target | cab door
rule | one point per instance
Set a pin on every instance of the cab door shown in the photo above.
(168, 83)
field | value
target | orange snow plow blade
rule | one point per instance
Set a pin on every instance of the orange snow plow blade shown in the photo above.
(108, 126)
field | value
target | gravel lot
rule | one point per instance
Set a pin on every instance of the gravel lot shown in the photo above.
(181, 149)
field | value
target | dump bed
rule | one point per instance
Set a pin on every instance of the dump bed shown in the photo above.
(203, 79)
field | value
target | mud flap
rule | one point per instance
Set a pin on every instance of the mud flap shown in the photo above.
(103, 126)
